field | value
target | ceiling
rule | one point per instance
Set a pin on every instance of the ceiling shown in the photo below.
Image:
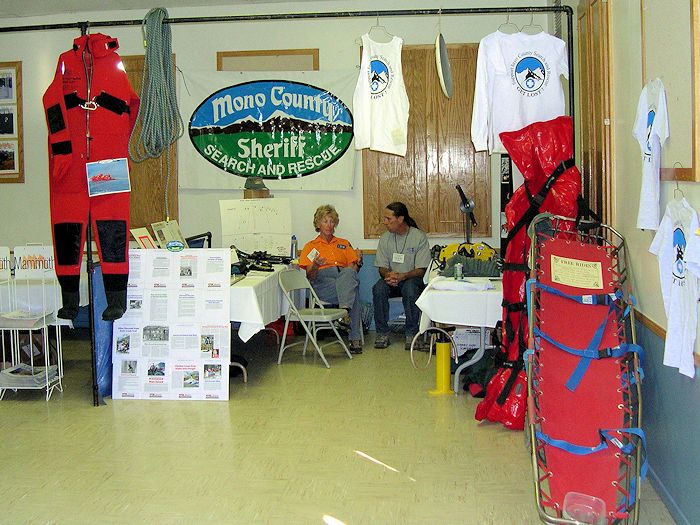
(24, 8)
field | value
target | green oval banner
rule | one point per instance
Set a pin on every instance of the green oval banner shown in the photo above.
(274, 129)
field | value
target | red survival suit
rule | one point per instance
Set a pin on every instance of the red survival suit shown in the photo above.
(90, 111)
(543, 153)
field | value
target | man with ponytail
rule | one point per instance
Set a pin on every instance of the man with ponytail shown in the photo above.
(403, 256)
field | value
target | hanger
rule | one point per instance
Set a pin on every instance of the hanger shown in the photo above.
(678, 192)
(379, 33)
(532, 28)
(508, 27)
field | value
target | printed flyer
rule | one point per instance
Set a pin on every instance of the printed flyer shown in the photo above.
(173, 342)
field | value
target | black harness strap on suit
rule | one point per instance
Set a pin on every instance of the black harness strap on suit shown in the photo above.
(537, 200)
(103, 100)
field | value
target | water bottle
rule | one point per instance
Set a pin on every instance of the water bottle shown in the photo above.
(458, 271)
(293, 248)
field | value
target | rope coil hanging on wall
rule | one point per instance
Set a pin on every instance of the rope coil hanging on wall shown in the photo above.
(159, 123)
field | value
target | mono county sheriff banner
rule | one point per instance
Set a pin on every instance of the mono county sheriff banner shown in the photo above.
(292, 129)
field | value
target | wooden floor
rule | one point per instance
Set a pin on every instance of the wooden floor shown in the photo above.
(361, 443)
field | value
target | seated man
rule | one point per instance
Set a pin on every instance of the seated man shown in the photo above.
(403, 256)
(331, 266)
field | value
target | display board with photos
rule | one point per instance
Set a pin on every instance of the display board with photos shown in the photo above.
(11, 145)
(173, 341)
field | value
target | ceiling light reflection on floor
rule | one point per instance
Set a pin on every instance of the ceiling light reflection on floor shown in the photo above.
(374, 460)
(330, 520)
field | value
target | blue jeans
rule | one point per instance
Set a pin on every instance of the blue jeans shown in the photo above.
(409, 290)
(340, 286)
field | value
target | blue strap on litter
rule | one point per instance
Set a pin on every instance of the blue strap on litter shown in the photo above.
(590, 299)
(591, 351)
(607, 437)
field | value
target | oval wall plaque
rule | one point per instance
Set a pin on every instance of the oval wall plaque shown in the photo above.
(274, 129)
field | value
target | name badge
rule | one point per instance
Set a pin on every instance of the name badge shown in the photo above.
(398, 258)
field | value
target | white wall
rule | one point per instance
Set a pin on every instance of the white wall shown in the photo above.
(627, 84)
(25, 216)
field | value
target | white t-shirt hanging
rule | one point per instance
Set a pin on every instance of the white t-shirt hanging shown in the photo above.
(651, 131)
(679, 287)
(380, 102)
(517, 83)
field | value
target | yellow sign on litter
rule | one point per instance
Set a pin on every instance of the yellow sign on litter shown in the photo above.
(577, 273)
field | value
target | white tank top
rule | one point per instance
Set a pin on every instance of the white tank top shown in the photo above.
(380, 102)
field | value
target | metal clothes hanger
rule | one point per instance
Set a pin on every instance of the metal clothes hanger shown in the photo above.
(532, 28)
(678, 192)
(379, 33)
(508, 27)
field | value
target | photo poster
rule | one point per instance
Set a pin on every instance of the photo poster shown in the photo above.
(257, 225)
(167, 231)
(173, 341)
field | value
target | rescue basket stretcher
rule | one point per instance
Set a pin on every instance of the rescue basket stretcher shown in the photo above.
(584, 375)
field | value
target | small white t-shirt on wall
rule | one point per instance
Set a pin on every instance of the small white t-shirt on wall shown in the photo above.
(380, 102)
(518, 82)
(679, 261)
(651, 131)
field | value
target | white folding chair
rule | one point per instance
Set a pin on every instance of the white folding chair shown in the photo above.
(33, 312)
(312, 318)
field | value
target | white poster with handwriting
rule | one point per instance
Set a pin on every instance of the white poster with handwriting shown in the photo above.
(257, 225)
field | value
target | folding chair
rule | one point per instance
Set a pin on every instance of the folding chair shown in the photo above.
(314, 317)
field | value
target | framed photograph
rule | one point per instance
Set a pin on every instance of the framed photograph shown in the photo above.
(8, 84)
(11, 133)
(8, 158)
(8, 122)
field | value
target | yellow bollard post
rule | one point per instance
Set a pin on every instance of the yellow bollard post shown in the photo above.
(442, 368)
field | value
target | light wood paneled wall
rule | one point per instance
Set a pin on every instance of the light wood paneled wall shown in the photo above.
(148, 178)
(440, 153)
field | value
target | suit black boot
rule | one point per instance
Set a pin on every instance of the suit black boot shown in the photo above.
(71, 303)
(116, 305)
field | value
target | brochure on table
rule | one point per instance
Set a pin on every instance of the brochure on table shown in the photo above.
(173, 342)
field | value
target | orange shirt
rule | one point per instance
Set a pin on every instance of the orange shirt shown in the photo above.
(337, 252)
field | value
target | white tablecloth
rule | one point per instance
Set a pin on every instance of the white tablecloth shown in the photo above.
(462, 307)
(256, 301)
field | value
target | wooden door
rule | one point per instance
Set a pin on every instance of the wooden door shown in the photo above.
(149, 186)
(440, 153)
(595, 138)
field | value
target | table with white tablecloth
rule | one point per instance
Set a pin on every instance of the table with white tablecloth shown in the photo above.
(463, 307)
(256, 301)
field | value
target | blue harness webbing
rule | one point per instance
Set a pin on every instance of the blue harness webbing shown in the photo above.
(605, 438)
(591, 351)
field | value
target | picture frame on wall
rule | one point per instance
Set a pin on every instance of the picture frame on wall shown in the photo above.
(8, 121)
(8, 83)
(9, 165)
(11, 132)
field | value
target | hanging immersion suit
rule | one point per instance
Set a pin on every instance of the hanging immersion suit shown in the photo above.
(90, 112)
(543, 153)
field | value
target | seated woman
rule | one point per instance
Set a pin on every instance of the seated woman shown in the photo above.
(331, 265)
